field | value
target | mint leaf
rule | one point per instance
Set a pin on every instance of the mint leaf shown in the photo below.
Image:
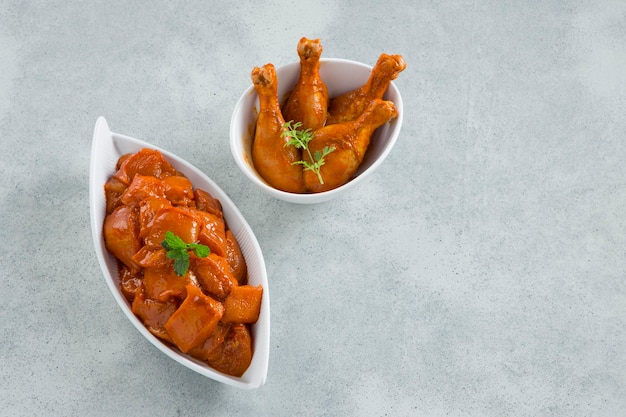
(200, 251)
(177, 250)
(173, 241)
(181, 265)
(173, 254)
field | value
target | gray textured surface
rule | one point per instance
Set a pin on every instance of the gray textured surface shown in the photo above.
(479, 272)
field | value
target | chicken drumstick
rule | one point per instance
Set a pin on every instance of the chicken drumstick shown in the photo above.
(350, 140)
(350, 105)
(271, 157)
(308, 101)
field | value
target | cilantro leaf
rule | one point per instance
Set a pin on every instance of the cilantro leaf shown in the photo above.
(300, 140)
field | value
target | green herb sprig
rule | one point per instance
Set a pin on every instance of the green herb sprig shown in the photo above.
(300, 139)
(178, 250)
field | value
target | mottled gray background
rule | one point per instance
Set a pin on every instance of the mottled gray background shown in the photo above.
(479, 272)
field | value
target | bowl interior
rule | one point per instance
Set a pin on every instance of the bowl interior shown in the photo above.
(107, 147)
(340, 77)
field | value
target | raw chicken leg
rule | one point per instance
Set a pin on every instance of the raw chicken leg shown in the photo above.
(350, 105)
(271, 158)
(308, 102)
(350, 140)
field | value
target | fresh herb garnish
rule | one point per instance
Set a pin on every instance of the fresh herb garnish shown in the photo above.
(178, 250)
(300, 139)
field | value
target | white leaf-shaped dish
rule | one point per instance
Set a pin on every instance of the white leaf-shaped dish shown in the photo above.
(107, 147)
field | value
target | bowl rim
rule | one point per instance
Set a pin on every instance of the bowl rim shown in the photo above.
(313, 198)
(249, 380)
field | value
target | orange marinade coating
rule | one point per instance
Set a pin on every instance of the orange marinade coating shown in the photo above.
(146, 198)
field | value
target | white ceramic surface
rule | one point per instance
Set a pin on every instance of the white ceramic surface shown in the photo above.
(107, 147)
(340, 76)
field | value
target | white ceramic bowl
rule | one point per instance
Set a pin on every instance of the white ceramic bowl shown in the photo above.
(106, 149)
(340, 76)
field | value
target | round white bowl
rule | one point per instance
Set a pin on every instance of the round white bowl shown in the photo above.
(340, 76)
(107, 148)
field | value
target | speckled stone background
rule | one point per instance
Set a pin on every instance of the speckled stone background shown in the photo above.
(479, 272)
